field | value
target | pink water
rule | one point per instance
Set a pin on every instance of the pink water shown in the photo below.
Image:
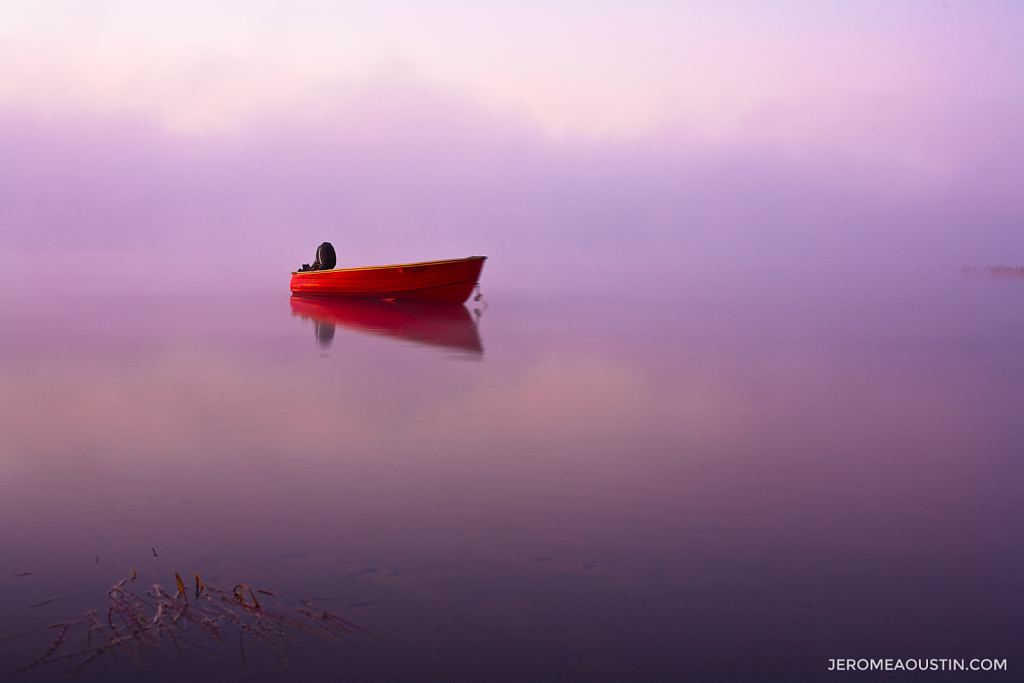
(739, 479)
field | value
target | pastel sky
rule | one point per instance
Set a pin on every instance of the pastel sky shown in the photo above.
(901, 97)
(593, 66)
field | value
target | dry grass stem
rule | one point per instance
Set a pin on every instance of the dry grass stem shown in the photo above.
(141, 624)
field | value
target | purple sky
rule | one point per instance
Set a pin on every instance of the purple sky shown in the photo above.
(597, 134)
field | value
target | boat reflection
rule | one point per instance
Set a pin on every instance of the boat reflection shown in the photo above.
(449, 326)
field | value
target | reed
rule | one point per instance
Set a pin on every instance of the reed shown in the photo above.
(141, 624)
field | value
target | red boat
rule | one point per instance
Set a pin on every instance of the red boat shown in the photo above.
(448, 282)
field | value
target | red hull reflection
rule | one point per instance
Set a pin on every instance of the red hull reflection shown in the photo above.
(445, 325)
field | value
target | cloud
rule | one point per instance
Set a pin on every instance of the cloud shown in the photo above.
(597, 67)
(399, 170)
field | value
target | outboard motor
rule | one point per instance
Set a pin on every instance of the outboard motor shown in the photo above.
(325, 258)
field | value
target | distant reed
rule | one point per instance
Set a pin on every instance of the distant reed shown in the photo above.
(996, 271)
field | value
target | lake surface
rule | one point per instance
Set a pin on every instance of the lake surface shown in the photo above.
(740, 477)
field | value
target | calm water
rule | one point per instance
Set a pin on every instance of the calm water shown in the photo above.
(736, 479)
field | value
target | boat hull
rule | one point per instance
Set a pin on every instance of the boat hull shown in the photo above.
(448, 282)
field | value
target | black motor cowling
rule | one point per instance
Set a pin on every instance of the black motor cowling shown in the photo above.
(325, 258)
